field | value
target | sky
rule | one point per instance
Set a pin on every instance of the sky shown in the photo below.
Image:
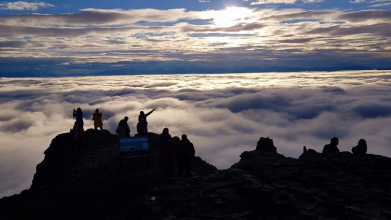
(222, 114)
(53, 38)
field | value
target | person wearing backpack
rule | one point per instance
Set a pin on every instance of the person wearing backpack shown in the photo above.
(123, 130)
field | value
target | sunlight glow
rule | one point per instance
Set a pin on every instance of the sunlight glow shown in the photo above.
(229, 16)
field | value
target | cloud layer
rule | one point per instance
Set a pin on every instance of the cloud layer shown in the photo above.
(24, 6)
(222, 114)
(240, 36)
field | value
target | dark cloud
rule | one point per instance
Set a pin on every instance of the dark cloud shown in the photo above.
(101, 17)
(366, 16)
(16, 125)
(373, 109)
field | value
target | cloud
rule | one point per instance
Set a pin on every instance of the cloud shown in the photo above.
(261, 2)
(24, 6)
(223, 114)
(289, 37)
(93, 16)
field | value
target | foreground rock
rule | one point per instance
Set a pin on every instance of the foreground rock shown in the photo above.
(262, 185)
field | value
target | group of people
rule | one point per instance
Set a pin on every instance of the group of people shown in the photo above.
(123, 130)
(78, 127)
(361, 148)
(175, 151)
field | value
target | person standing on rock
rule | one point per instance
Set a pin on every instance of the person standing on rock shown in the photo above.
(97, 117)
(167, 158)
(142, 125)
(332, 147)
(123, 130)
(164, 137)
(361, 148)
(185, 155)
(78, 114)
(77, 134)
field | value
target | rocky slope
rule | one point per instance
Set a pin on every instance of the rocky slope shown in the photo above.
(262, 185)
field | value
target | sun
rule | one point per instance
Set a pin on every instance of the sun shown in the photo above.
(229, 16)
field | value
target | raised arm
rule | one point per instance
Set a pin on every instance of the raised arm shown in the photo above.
(146, 115)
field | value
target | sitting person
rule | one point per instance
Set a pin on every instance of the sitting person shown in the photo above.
(97, 117)
(123, 130)
(332, 147)
(361, 148)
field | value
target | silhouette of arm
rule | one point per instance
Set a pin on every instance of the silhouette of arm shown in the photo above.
(192, 150)
(74, 113)
(146, 115)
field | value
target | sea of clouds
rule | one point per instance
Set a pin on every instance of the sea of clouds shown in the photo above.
(223, 114)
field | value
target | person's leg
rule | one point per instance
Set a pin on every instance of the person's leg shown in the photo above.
(180, 169)
(188, 168)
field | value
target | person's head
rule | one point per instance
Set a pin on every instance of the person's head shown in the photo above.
(142, 113)
(126, 118)
(362, 143)
(176, 140)
(78, 110)
(184, 137)
(165, 131)
(334, 141)
(97, 110)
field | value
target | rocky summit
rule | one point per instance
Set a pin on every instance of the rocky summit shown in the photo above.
(91, 184)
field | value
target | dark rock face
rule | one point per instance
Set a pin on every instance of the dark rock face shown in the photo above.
(266, 145)
(262, 185)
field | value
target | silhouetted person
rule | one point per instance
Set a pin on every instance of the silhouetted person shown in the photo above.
(176, 141)
(332, 147)
(123, 130)
(78, 114)
(97, 117)
(167, 158)
(361, 148)
(77, 136)
(186, 153)
(142, 125)
(164, 137)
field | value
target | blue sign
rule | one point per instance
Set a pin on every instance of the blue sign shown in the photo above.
(133, 144)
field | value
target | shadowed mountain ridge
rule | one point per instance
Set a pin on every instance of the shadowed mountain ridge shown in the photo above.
(262, 185)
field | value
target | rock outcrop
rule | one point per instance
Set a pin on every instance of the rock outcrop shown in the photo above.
(262, 185)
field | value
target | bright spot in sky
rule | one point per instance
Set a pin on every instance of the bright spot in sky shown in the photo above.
(228, 17)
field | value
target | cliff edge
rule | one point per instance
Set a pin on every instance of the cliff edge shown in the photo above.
(262, 185)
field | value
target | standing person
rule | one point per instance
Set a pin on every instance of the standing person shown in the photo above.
(123, 130)
(78, 114)
(142, 125)
(167, 158)
(164, 137)
(97, 117)
(186, 153)
(332, 147)
(77, 136)
(361, 148)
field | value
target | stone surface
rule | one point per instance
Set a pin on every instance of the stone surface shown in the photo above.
(261, 185)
